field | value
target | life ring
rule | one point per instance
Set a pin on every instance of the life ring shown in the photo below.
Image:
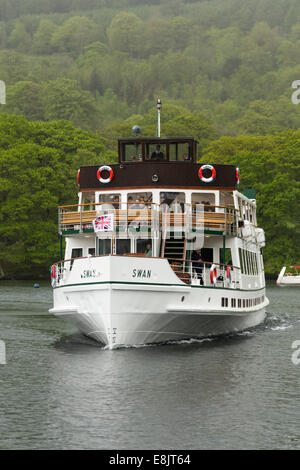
(110, 177)
(228, 275)
(237, 176)
(78, 176)
(213, 274)
(203, 178)
(53, 275)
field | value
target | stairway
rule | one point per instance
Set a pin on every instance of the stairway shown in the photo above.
(173, 248)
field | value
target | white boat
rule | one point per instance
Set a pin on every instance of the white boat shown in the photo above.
(129, 274)
(291, 278)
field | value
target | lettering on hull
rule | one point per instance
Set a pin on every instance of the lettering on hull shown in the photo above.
(141, 273)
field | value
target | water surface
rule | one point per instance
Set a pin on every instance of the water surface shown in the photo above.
(60, 390)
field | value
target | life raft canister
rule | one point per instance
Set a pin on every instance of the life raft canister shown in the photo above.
(237, 176)
(213, 274)
(206, 179)
(110, 176)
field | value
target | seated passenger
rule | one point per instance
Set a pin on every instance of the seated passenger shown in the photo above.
(186, 157)
(148, 251)
(157, 153)
(116, 202)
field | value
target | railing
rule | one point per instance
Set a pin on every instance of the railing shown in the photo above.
(128, 217)
(206, 274)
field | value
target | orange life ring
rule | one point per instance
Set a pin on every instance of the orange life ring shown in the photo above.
(237, 176)
(210, 178)
(213, 274)
(109, 178)
(53, 275)
(228, 274)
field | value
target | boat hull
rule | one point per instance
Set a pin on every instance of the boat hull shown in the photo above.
(119, 315)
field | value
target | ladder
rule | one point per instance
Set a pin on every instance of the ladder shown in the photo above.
(174, 248)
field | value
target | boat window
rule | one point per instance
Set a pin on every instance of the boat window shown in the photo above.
(91, 251)
(207, 199)
(155, 152)
(241, 261)
(122, 246)
(228, 257)
(76, 253)
(226, 199)
(108, 202)
(131, 152)
(88, 199)
(207, 255)
(175, 201)
(104, 246)
(139, 200)
(180, 151)
(144, 246)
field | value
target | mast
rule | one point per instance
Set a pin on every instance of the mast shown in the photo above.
(158, 106)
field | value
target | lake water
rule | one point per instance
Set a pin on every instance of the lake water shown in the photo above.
(58, 390)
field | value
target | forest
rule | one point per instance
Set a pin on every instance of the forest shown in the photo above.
(80, 73)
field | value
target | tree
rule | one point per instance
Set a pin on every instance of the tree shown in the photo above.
(74, 35)
(124, 33)
(25, 98)
(64, 99)
(19, 38)
(42, 38)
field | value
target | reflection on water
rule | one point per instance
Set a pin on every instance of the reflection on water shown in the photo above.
(61, 390)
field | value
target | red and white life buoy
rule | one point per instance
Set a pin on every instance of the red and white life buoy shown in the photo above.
(213, 274)
(237, 176)
(109, 178)
(228, 275)
(78, 176)
(53, 275)
(207, 179)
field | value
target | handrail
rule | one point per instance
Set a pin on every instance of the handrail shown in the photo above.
(201, 261)
(147, 203)
(151, 257)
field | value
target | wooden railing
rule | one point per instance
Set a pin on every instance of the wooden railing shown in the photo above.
(131, 216)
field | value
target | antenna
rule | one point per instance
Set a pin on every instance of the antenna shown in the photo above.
(158, 106)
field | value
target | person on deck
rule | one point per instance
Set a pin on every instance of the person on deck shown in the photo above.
(198, 264)
(157, 153)
(148, 251)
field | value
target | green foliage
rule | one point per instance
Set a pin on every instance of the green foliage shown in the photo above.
(38, 166)
(270, 165)
(221, 68)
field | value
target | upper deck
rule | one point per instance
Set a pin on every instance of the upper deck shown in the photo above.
(158, 162)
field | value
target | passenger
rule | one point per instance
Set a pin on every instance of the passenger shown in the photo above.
(186, 157)
(148, 251)
(116, 202)
(198, 264)
(157, 153)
